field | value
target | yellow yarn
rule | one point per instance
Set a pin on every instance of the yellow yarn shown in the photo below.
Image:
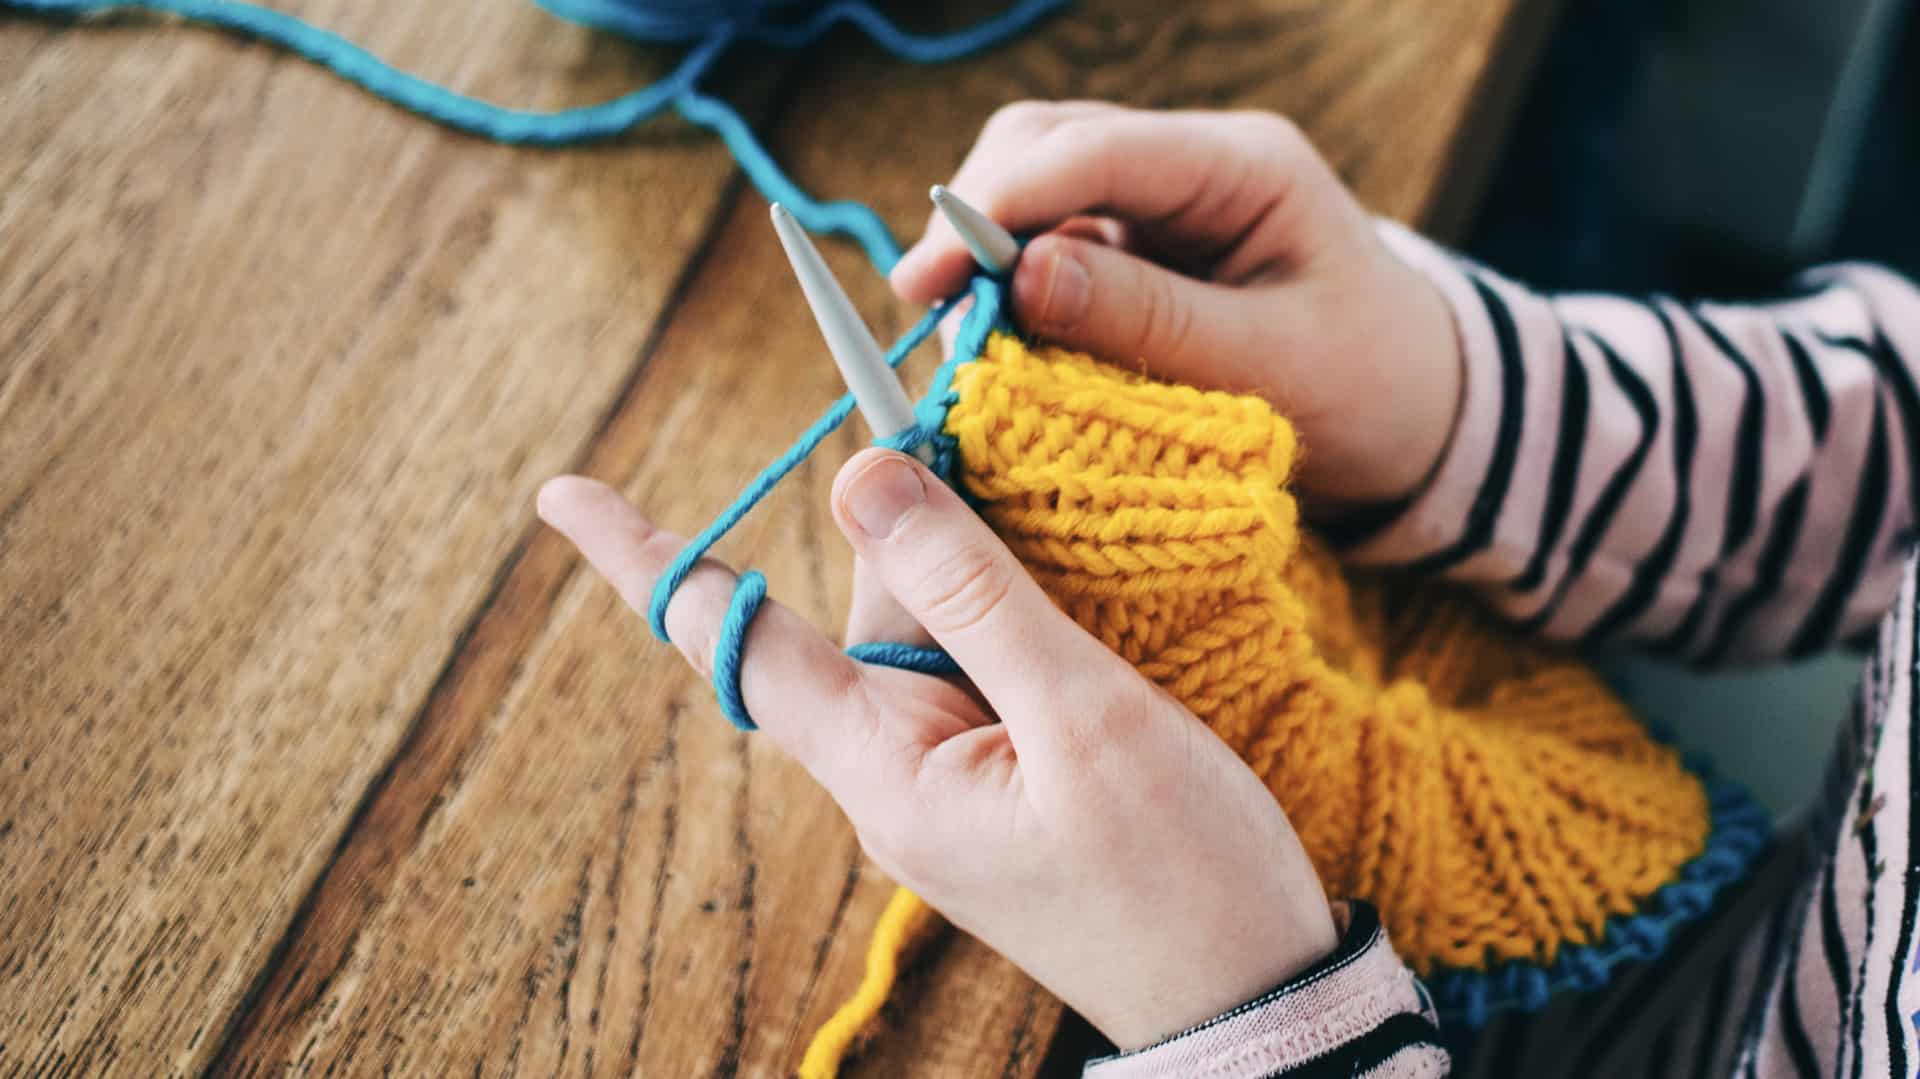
(906, 920)
(1487, 793)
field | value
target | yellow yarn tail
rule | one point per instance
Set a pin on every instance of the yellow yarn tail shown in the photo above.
(905, 921)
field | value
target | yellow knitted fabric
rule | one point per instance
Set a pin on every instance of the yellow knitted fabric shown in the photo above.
(1487, 793)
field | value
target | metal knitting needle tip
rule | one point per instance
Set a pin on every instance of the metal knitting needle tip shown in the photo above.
(993, 247)
(876, 389)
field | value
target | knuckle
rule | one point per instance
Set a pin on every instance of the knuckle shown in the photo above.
(1083, 144)
(1275, 129)
(844, 686)
(1165, 322)
(963, 590)
(1020, 116)
(1107, 717)
(1104, 739)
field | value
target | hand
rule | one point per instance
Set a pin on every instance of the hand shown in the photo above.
(1220, 250)
(1098, 835)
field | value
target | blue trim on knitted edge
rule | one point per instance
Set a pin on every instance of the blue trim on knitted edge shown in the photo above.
(1740, 828)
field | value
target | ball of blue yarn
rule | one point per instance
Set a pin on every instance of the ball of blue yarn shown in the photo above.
(672, 20)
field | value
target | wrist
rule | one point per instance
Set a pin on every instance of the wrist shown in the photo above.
(1356, 1009)
(1424, 345)
(1408, 401)
(1250, 961)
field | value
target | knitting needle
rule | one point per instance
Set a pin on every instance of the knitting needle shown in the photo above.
(993, 247)
(876, 389)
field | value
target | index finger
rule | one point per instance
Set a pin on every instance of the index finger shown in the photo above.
(1204, 179)
(805, 693)
(938, 265)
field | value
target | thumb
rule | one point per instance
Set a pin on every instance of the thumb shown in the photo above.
(1121, 308)
(956, 578)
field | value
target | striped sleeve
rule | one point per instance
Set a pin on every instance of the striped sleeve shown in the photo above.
(1357, 1012)
(1840, 993)
(1714, 481)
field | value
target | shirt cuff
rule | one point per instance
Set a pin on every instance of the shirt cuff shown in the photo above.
(1357, 1012)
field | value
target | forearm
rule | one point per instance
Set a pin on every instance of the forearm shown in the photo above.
(1712, 481)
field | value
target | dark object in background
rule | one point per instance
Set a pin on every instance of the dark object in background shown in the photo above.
(1711, 146)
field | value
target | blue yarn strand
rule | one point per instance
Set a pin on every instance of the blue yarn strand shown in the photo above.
(414, 94)
(905, 657)
(676, 574)
(850, 219)
(690, 20)
(751, 589)
(730, 652)
(713, 26)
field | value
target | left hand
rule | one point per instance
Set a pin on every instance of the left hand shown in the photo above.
(1221, 250)
(1097, 834)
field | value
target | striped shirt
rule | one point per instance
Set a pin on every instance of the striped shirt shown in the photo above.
(1716, 482)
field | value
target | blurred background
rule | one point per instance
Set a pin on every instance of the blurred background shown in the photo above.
(1712, 148)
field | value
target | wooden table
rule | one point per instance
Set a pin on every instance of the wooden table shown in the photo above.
(316, 750)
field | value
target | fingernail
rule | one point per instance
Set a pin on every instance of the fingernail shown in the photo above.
(881, 494)
(1068, 291)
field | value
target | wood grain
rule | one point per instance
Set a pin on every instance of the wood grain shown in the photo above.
(275, 393)
(319, 755)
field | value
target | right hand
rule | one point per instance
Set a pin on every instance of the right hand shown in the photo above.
(1217, 249)
(1056, 804)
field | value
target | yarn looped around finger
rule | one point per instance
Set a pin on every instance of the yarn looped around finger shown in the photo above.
(731, 649)
(978, 322)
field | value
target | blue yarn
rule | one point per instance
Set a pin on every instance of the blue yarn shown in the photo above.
(410, 92)
(905, 657)
(713, 26)
(663, 20)
(849, 219)
(930, 417)
(690, 20)
(917, 48)
(727, 656)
